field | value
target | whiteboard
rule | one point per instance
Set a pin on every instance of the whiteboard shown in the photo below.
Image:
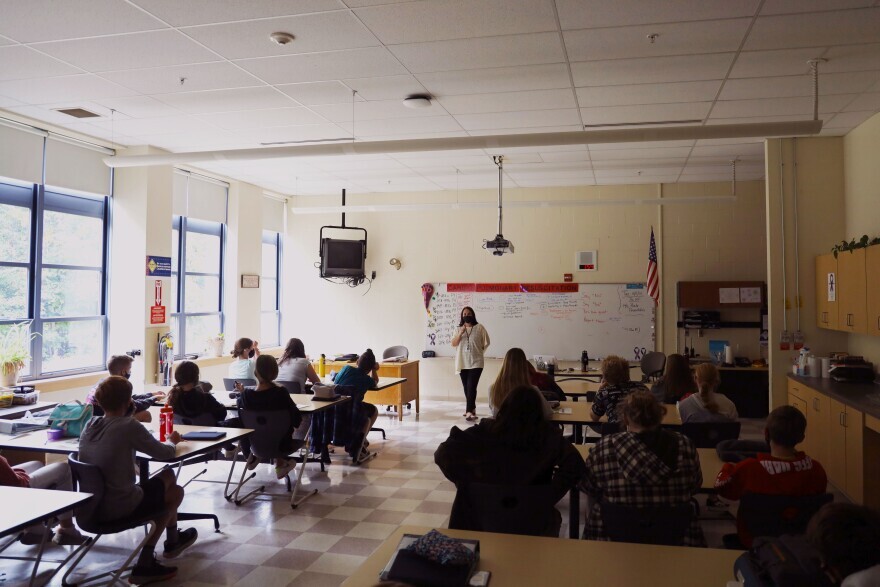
(601, 318)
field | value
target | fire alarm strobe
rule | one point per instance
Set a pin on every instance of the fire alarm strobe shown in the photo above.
(586, 260)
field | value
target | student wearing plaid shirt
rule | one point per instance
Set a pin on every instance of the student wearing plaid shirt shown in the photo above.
(643, 466)
(614, 387)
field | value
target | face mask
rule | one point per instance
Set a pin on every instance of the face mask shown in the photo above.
(127, 375)
(252, 353)
(470, 320)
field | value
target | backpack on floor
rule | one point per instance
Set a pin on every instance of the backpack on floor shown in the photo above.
(785, 561)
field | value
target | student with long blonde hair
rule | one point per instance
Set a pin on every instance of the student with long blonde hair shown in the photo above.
(514, 373)
(707, 405)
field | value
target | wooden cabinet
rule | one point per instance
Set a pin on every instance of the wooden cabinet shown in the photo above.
(872, 284)
(817, 409)
(851, 292)
(846, 441)
(826, 311)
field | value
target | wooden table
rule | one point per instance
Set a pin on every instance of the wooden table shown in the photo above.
(17, 411)
(24, 506)
(530, 560)
(406, 392)
(581, 413)
(710, 465)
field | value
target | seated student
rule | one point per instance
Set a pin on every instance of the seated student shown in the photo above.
(294, 366)
(189, 396)
(38, 476)
(677, 382)
(110, 443)
(785, 471)
(120, 365)
(613, 388)
(645, 465)
(847, 537)
(267, 396)
(244, 355)
(707, 405)
(548, 388)
(514, 373)
(518, 447)
(363, 378)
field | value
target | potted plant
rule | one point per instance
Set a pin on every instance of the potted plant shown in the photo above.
(215, 345)
(15, 351)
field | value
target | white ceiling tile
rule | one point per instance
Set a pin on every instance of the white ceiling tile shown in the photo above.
(398, 135)
(648, 70)
(403, 126)
(662, 144)
(849, 119)
(585, 14)
(504, 79)
(718, 177)
(586, 179)
(796, 6)
(20, 62)
(150, 49)
(648, 94)
(49, 115)
(43, 20)
(6, 41)
(445, 154)
(395, 87)
(645, 113)
(275, 134)
(643, 153)
(798, 85)
(356, 163)
(735, 150)
(316, 67)
(198, 76)
(484, 52)
(509, 101)
(193, 12)
(815, 29)
(751, 64)
(202, 141)
(375, 111)
(778, 106)
(521, 119)
(5, 102)
(852, 58)
(683, 38)
(640, 172)
(313, 32)
(869, 101)
(227, 100)
(56, 89)
(261, 118)
(438, 20)
(521, 130)
(130, 106)
(319, 93)
(156, 126)
(456, 162)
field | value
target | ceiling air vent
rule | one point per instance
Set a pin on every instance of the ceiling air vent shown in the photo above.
(78, 112)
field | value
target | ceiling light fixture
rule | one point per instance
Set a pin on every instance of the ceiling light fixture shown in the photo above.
(417, 101)
(281, 38)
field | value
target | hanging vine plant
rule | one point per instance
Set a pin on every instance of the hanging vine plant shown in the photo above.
(855, 244)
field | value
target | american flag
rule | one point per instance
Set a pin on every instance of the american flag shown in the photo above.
(653, 278)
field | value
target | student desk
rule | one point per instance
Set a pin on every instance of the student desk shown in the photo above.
(533, 560)
(407, 391)
(581, 414)
(23, 506)
(710, 465)
(16, 412)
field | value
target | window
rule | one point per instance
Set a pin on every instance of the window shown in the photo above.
(270, 290)
(52, 272)
(197, 278)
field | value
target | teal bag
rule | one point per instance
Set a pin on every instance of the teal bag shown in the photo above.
(71, 418)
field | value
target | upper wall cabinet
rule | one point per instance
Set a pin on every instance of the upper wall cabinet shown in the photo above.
(826, 291)
(852, 308)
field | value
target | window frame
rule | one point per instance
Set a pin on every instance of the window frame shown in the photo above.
(271, 237)
(183, 225)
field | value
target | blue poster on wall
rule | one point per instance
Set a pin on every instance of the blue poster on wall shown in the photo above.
(158, 266)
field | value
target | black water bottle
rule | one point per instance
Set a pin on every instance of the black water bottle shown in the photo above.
(585, 360)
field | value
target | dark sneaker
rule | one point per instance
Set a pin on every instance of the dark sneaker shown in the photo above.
(151, 573)
(32, 538)
(185, 538)
(252, 462)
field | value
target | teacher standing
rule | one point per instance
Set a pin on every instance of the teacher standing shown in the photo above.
(470, 341)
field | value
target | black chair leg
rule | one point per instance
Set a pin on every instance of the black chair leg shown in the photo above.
(185, 516)
(382, 430)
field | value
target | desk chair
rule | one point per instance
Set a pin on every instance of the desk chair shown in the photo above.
(509, 509)
(393, 351)
(709, 434)
(652, 365)
(604, 429)
(291, 386)
(229, 384)
(89, 479)
(663, 524)
(270, 428)
(200, 420)
(775, 515)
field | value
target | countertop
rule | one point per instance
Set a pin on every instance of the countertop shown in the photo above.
(864, 397)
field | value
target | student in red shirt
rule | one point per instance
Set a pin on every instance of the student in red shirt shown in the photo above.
(785, 471)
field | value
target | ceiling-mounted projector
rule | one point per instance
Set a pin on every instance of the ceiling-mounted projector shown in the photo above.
(498, 245)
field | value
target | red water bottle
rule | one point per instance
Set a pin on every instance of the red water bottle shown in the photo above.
(162, 425)
(169, 421)
(166, 422)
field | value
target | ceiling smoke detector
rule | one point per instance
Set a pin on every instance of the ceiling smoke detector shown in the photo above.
(281, 38)
(417, 101)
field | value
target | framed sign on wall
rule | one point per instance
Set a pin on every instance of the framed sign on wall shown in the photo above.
(250, 281)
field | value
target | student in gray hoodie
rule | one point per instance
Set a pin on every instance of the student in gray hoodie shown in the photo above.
(110, 443)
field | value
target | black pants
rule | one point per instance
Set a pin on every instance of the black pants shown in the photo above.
(469, 380)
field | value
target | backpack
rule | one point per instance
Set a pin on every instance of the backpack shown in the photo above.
(71, 418)
(784, 561)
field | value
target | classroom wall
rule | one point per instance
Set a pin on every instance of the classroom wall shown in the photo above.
(820, 222)
(862, 177)
(698, 241)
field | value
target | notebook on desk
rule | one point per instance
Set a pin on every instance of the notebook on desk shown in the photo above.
(408, 567)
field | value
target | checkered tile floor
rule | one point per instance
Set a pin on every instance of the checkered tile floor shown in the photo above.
(266, 543)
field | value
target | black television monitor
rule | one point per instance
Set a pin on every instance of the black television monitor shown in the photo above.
(342, 258)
